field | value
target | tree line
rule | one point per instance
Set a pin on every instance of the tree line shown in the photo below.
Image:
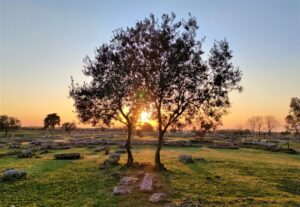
(292, 120)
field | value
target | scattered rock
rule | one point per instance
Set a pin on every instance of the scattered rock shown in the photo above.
(128, 180)
(67, 156)
(25, 154)
(15, 146)
(157, 197)
(125, 185)
(186, 158)
(13, 174)
(2, 145)
(114, 155)
(112, 161)
(102, 148)
(147, 183)
(121, 190)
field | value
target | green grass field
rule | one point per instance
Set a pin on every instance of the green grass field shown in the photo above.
(244, 177)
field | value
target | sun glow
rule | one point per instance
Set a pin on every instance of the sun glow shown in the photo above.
(145, 116)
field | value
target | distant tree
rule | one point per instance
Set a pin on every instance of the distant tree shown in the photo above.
(260, 123)
(68, 126)
(8, 123)
(255, 122)
(271, 123)
(147, 127)
(293, 118)
(51, 121)
(251, 122)
(114, 92)
(176, 127)
(169, 64)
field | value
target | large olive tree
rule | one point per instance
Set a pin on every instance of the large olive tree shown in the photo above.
(167, 58)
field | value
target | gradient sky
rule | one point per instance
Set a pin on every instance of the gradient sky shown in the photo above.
(43, 44)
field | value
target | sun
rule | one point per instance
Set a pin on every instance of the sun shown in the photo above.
(145, 116)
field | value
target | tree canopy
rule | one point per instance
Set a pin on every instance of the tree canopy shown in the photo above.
(51, 121)
(156, 64)
(167, 58)
(293, 118)
(9, 123)
(68, 126)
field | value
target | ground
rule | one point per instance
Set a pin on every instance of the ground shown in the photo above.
(244, 177)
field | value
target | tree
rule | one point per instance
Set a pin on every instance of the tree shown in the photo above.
(260, 123)
(146, 127)
(168, 60)
(68, 126)
(177, 126)
(114, 92)
(271, 123)
(256, 122)
(51, 121)
(251, 122)
(8, 123)
(293, 118)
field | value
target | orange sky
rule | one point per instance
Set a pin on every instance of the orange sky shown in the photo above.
(43, 45)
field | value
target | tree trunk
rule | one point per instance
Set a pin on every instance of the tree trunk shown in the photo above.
(158, 165)
(128, 146)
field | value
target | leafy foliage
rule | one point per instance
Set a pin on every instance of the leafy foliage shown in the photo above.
(68, 126)
(293, 119)
(114, 92)
(146, 127)
(51, 121)
(9, 123)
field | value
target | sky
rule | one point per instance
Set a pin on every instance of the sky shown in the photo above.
(43, 44)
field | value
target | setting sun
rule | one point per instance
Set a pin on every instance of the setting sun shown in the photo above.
(145, 116)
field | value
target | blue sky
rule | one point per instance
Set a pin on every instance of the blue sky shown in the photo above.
(43, 44)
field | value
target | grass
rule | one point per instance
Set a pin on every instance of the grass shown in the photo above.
(245, 177)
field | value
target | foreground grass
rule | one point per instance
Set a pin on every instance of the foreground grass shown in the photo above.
(58, 182)
(244, 177)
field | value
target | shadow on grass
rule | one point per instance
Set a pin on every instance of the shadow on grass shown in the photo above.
(289, 186)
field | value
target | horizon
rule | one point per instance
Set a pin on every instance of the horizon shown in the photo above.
(43, 45)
